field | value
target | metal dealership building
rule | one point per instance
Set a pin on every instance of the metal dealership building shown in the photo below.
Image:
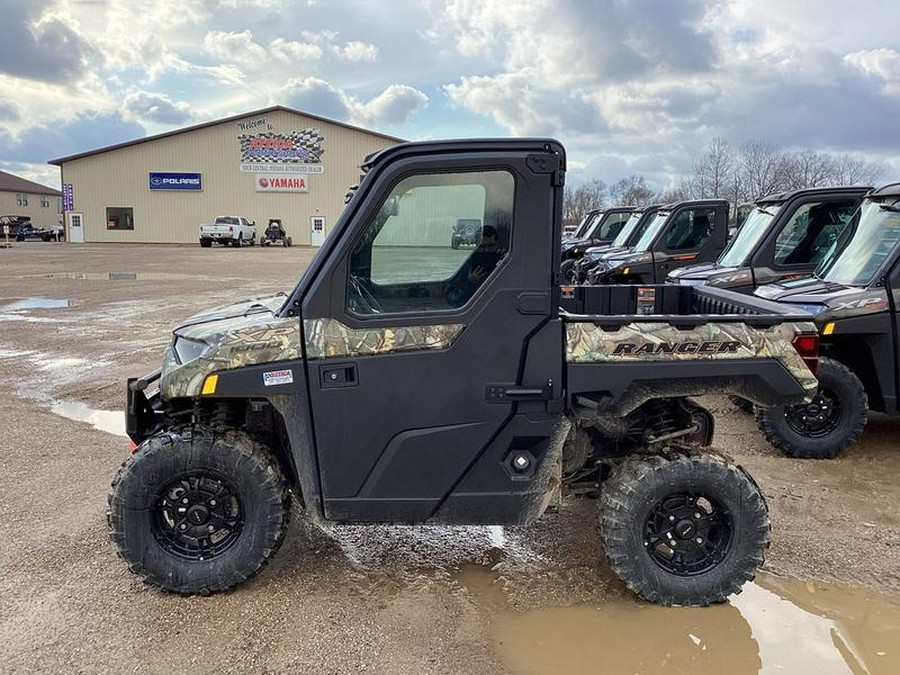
(272, 163)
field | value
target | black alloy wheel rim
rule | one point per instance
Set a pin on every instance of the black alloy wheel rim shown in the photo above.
(818, 418)
(197, 517)
(688, 534)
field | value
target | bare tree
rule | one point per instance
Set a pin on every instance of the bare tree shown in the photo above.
(850, 170)
(631, 191)
(579, 201)
(761, 169)
(809, 169)
(713, 172)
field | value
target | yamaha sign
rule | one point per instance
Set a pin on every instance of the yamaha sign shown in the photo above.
(176, 181)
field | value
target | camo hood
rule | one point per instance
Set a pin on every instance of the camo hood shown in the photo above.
(232, 336)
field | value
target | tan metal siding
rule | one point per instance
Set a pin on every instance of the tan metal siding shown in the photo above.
(41, 216)
(119, 178)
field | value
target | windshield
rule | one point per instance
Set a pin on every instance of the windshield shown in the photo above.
(650, 233)
(625, 233)
(586, 223)
(864, 245)
(750, 234)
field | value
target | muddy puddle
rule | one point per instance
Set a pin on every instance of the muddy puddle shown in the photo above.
(776, 625)
(34, 303)
(116, 276)
(110, 421)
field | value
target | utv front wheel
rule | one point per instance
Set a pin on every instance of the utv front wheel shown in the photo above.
(826, 426)
(683, 529)
(200, 512)
(568, 272)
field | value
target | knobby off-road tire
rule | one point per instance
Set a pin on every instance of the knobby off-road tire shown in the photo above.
(834, 420)
(226, 482)
(690, 496)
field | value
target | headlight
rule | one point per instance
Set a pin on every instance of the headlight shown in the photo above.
(187, 350)
(811, 309)
(688, 282)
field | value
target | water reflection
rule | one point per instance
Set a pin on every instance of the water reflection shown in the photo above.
(775, 625)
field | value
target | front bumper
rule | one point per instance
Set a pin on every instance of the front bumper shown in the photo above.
(141, 409)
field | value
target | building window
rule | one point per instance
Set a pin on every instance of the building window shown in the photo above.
(22, 199)
(45, 202)
(119, 218)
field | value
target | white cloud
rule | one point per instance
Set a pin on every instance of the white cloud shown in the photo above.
(156, 108)
(316, 96)
(393, 106)
(289, 50)
(357, 51)
(231, 47)
(883, 64)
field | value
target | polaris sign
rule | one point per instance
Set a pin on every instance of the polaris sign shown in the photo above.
(176, 181)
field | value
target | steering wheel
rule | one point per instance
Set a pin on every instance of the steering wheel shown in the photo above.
(361, 299)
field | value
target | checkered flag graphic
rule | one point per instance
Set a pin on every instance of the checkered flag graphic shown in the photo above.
(304, 147)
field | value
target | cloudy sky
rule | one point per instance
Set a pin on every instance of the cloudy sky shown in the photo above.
(630, 86)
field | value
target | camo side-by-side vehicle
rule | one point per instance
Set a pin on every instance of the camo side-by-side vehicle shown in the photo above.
(854, 296)
(456, 390)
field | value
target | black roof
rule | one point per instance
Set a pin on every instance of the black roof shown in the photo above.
(889, 190)
(784, 196)
(224, 120)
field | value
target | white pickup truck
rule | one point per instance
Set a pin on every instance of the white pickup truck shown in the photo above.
(226, 230)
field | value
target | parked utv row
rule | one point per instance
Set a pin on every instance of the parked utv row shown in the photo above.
(832, 252)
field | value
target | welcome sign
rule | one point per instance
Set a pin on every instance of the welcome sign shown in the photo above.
(294, 152)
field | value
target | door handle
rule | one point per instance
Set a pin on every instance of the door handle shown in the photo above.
(507, 393)
(338, 375)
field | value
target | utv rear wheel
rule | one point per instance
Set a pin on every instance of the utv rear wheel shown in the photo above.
(825, 427)
(200, 512)
(683, 529)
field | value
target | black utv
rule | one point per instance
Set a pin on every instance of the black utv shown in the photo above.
(785, 236)
(854, 296)
(628, 236)
(455, 390)
(681, 233)
(600, 228)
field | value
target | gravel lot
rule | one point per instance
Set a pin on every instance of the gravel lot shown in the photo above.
(391, 600)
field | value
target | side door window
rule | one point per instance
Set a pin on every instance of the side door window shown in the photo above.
(811, 232)
(410, 257)
(613, 225)
(691, 229)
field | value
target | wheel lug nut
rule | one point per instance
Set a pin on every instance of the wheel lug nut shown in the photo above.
(183, 526)
(211, 528)
(697, 516)
(212, 502)
(699, 540)
(671, 517)
(185, 500)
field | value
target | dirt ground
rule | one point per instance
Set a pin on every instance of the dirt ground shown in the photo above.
(377, 599)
